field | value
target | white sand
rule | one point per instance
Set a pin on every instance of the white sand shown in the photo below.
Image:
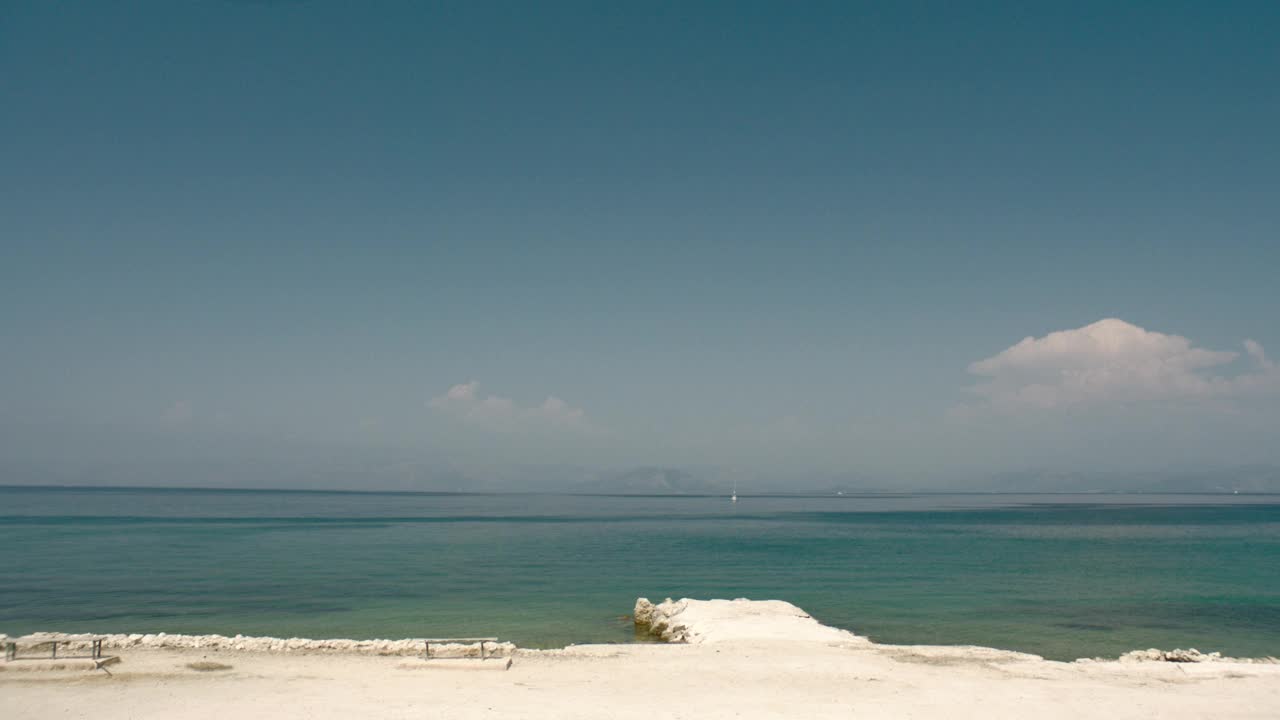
(744, 660)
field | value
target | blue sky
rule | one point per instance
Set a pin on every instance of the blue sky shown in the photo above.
(733, 234)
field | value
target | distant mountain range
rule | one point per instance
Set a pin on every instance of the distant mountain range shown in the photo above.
(1244, 479)
(675, 481)
(650, 481)
(386, 474)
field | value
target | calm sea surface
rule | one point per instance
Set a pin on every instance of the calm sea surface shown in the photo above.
(1063, 576)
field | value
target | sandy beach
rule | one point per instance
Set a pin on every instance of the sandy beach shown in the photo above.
(738, 659)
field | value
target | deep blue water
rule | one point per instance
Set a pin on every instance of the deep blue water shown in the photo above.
(1063, 576)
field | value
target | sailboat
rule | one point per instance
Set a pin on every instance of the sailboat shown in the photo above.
(734, 496)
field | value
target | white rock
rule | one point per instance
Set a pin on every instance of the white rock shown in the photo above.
(408, 646)
(1176, 655)
(706, 621)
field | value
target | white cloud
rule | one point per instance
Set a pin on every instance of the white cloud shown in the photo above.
(1114, 362)
(1259, 355)
(491, 412)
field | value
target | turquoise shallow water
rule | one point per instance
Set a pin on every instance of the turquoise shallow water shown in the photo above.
(1062, 576)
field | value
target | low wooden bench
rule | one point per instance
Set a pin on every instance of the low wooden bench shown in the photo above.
(459, 641)
(35, 641)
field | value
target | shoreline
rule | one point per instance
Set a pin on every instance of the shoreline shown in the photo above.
(736, 659)
(675, 622)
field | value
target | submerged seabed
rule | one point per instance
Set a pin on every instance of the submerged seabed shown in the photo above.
(1061, 576)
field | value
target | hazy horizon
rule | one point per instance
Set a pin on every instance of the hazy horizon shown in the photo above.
(909, 245)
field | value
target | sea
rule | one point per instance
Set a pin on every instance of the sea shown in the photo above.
(1063, 576)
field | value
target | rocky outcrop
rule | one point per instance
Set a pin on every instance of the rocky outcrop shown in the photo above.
(703, 621)
(1179, 655)
(408, 646)
(659, 620)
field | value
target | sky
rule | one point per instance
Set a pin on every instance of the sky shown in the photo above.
(893, 240)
